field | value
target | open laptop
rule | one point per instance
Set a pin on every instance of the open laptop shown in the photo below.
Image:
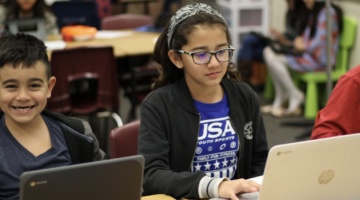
(32, 26)
(114, 179)
(312, 170)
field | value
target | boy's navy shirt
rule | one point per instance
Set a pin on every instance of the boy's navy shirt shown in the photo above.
(15, 159)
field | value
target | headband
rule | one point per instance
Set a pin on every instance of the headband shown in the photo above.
(186, 12)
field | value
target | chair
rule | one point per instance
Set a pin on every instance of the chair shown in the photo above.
(103, 7)
(312, 79)
(76, 12)
(136, 72)
(125, 21)
(125, 3)
(123, 140)
(87, 84)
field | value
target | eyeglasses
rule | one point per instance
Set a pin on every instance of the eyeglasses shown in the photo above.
(204, 57)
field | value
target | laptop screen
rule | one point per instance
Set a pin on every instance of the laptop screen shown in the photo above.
(114, 179)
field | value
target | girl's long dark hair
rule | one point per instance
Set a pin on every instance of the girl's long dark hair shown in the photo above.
(297, 17)
(318, 6)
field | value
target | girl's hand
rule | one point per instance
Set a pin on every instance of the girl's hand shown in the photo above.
(275, 34)
(299, 44)
(230, 189)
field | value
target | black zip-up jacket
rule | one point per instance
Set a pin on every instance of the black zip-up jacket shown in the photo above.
(169, 131)
(81, 141)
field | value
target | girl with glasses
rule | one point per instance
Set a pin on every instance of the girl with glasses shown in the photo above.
(201, 131)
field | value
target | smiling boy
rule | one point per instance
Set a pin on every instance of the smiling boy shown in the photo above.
(31, 138)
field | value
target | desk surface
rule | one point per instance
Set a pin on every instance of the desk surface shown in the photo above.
(157, 197)
(132, 44)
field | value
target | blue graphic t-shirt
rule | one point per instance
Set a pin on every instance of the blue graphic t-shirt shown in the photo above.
(218, 144)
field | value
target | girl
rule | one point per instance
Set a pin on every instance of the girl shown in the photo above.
(18, 9)
(201, 131)
(252, 46)
(312, 44)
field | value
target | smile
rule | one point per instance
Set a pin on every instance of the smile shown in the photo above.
(23, 109)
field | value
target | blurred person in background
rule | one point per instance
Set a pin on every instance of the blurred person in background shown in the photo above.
(22, 9)
(252, 45)
(311, 56)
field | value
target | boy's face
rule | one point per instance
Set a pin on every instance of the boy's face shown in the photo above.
(24, 92)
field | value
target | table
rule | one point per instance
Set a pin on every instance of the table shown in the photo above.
(133, 43)
(157, 197)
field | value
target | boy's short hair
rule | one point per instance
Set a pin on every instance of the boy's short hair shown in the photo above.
(23, 49)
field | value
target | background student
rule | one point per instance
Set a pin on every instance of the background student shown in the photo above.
(339, 116)
(201, 131)
(31, 138)
(22, 9)
(312, 45)
(252, 46)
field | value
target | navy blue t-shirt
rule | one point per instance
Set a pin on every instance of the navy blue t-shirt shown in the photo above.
(218, 144)
(15, 159)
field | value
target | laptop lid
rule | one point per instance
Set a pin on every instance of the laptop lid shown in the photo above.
(31, 26)
(114, 179)
(314, 169)
(317, 169)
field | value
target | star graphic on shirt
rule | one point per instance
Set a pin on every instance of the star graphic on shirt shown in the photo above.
(197, 167)
(216, 164)
(224, 162)
(207, 166)
(233, 160)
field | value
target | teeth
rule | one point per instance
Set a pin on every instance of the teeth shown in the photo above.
(22, 108)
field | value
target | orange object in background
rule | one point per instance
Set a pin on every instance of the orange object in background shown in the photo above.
(78, 32)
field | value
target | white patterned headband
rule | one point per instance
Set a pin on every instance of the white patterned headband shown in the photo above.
(186, 12)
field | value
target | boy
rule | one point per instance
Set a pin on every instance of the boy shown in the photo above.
(31, 138)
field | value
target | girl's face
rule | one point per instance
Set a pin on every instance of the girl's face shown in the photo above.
(26, 5)
(309, 4)
(291, 4)
(204, 38)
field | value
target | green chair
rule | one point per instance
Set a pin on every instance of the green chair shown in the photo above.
(311, 79)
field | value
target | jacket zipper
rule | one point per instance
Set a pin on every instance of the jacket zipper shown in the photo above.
(197, 140)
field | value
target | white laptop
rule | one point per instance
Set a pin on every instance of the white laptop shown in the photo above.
(323, 169)
(114, 179)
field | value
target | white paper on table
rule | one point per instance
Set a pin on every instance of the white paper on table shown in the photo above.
(111, 34)
(55, 45)
(154, 40)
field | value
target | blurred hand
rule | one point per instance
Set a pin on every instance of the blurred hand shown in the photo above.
(299, 44)
(230, 189)
(275, 34)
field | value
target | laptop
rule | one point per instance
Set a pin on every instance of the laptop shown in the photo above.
(312, 170)
(276, 45)
(113, 179)
(31, 26)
